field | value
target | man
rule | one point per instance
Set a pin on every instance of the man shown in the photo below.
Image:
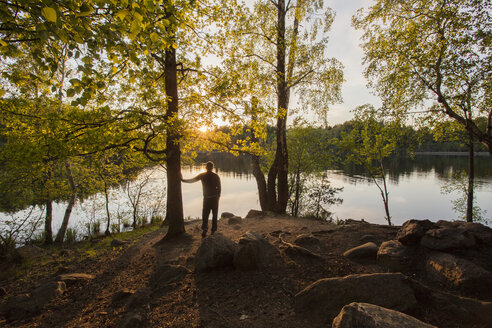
(211, 194)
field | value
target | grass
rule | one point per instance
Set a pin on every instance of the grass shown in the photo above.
(83, 250)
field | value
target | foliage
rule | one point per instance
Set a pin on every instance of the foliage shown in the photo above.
(421, 50)
(458, 183)
(320, 196)
(370, 142)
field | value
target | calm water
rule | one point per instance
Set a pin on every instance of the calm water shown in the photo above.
(414, 187)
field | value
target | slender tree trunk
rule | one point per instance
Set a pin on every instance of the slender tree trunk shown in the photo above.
(174, 211)
(385, 193)
(60, 236)
(471, 177)
(48, 233)
(108, 213)
(260, 182)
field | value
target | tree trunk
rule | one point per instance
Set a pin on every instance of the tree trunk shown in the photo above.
(60, 236)
(174, 208)
(260, 182)
(471, 177)
(48, 233)
(281, 156)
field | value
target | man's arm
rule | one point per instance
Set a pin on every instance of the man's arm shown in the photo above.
(195, 179)
(218, 186)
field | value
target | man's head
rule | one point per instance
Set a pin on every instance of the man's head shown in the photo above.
(210, 166)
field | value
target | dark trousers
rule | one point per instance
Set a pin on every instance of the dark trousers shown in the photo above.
(210, 204)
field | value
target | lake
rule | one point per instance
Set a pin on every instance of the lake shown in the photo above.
(414, 192)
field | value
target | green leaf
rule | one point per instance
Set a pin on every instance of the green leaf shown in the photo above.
(70, 92)
(154, 37)
(122, 14)
(3, 43)
(49, 13)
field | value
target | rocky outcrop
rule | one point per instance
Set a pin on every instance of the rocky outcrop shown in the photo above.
(253, 252)
(372, 316)
(449, 253)
(226, 215)
(325, 298)
(255, 214)
(215, 252)
(367, 251)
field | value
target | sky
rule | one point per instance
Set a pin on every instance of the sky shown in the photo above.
(344, 45)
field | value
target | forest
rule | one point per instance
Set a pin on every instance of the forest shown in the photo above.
(95, 91)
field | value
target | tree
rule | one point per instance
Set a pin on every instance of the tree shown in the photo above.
(273, 51)
(439, 50)
(369, 143)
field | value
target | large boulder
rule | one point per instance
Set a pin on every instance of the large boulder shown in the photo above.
(215, 252)
(458, 272)
(393, 255)
(412, 231)
(366, 251)
(253, 252)
(306, 240)
(367, 315)
(324, 298)
(448, 238)
(235, 220)
(23, 305)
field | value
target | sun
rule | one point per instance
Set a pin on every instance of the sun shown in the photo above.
(203, 129)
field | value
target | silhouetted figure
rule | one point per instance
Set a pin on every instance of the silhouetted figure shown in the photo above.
(211, 194)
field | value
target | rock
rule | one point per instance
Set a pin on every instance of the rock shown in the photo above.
(168, 273)
(447, 238)
(226, 215)
(132, 320)
(118, 243)
(324, 298)
(254, 214)
(215, 252)
(413, 230)
(466, 312)
(121, 295)
(306, 240)
(74, 278)
(366, 251)
(367, 238)
(393, 255)
(235, 220)
(236, 227)
(372, 316)
(482, 233)
(458, 272)
(294, 250)
(253, 252)
(3, 292)
(20, 306)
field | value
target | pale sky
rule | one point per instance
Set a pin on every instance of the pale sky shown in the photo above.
(344, 45)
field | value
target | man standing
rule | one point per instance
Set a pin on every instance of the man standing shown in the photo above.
(211, 194)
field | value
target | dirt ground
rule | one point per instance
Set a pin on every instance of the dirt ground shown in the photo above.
(227, 298)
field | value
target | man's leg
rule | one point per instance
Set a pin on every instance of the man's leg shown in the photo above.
(215, 210)
(205, 213)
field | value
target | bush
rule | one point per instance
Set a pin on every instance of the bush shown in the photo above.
(71, 235)
(156, 219)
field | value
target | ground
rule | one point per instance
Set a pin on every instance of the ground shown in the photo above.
(227, 298)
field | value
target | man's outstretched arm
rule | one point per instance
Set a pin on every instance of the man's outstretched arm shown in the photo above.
(195, 179)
